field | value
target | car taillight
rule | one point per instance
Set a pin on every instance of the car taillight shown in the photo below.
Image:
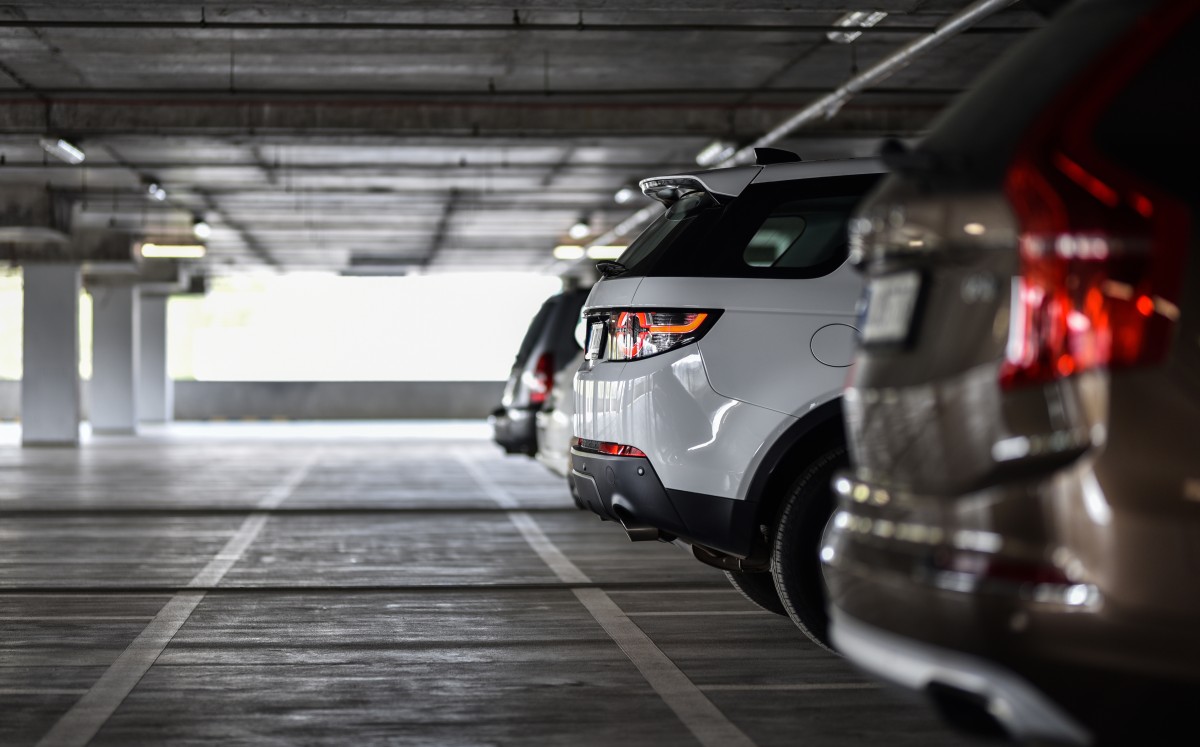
(543, 379)
(637, 334)
(1101, 249)
(606, 447)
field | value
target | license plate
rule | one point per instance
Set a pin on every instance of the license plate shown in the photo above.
(891, 301)
(595, 338)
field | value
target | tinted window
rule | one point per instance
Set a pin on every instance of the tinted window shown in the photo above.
(794, 229)
(535, 328)
(801, 234)
(691, 214)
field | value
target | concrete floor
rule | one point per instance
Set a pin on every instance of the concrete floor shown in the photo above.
(378, 583)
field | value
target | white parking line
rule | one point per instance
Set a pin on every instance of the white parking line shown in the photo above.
(813, 687)
(705, 721)
(696, 613)
(74, 618)
(77, 726)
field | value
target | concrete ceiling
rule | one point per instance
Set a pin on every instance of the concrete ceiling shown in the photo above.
(364, 133)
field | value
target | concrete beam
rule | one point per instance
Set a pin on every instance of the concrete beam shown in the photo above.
(88, 117)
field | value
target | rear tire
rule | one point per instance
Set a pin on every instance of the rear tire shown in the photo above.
(759, 588)
(795, 552)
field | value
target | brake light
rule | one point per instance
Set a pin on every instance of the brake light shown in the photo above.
(637, 334)
(1101, 250)
(543, 379)
(606, 447)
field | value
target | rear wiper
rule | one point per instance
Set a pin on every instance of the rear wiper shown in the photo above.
(611, 269)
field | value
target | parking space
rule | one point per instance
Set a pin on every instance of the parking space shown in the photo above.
(285, 584)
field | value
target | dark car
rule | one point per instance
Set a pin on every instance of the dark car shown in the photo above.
(549, 345)
(1019, 535)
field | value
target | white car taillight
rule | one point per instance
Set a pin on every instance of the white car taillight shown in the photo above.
(635, 334)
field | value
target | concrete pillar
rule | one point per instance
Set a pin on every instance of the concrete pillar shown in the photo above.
(156, 391)
(115, 352)
(50, 377)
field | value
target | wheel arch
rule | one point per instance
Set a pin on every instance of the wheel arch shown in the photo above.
(821, 426)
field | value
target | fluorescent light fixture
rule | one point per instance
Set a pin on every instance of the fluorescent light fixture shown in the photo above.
(603, 251)
(863, 19)
(173, 251)
(201, 229)
(580, 229)
(624, 195)
(715, 152)
(155, 190)
(62, 150)
(568, 251)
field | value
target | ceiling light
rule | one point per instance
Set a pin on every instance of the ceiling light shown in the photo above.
(62, 150)
(863, 19)
(173, 251)
(625, 195)
(715, 152)
(975, 229)
(580, 229)
(201, 229)
(568, 251)
(605, 251)
(155, 190)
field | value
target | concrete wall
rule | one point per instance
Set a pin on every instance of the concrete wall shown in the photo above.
(313, 400)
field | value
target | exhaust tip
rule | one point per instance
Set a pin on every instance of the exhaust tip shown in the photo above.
(966, 711)
(637, 532)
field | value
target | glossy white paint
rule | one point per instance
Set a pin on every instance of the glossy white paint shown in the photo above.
(554, 420)
(696, 439)
(760, 349)
(706, 414)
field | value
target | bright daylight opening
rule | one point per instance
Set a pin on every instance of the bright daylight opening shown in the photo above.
(321, 327)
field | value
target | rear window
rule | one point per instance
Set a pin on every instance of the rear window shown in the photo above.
(793, 229)
(535, 329)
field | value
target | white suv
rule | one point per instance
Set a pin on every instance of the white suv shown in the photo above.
(708, 409)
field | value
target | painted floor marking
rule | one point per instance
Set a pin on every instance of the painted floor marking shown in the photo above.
(706, 722)
(77, 726)
(813, 687)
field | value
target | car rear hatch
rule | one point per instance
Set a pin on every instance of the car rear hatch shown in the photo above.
(1014, 263)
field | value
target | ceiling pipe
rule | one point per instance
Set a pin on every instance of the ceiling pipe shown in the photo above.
(829, 105)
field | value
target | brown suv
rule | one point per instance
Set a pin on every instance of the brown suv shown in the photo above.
(1019, 536)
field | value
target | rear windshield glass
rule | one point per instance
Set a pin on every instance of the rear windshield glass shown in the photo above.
(794, 229)
(535, 328)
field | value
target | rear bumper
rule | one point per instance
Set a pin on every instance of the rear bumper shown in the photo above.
(1021, 708)
(514, 429)
(1041, 654)
(628, 490)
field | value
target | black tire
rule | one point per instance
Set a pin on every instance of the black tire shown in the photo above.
(759, 588)
(795, 551)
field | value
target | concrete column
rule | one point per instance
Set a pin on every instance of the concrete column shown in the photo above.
(156, 391)
(50, 377)
(115, 353)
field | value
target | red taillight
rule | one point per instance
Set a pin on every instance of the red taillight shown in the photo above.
(543, 379)
(1101, 250)
(606, 447)
(637, 334)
